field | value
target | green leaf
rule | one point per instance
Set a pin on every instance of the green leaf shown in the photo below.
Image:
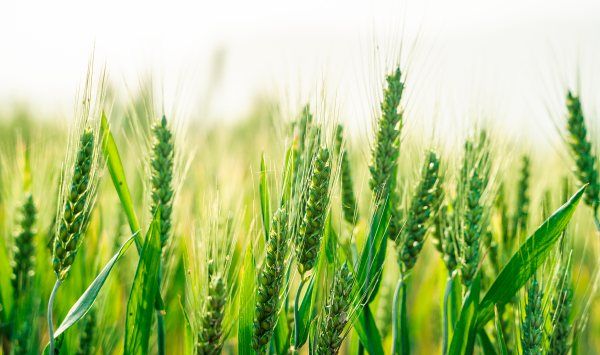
(281, 336)
(373, 253)
(247, 304)
(140, 308)
(369, 276)
(117, 174)
(367, 332)
(451, 308)
(304, 314)
(463, 339)
(265, 197)
(500, 333)
(87, 299)
(400, 336)
(523, 264)
(486, 344)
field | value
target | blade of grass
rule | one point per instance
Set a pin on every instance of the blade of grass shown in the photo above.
(400, 336)
(486, 343)
(463, 339)
(138, 323)
(523, 264)
(87, 299)
(500, 333)
(247, 304)
(117, 174)
(367, 332)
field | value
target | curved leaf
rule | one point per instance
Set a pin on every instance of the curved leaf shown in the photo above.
(523, 264)
(87, 299)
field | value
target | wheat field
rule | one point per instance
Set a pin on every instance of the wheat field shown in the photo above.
(127, 229)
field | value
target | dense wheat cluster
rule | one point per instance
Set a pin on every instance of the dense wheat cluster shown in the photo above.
(321, 243)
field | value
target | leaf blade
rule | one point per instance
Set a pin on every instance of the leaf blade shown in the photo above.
(247, 304)
(117, 174)
(85, 302)
(523, 264)
(140, 307)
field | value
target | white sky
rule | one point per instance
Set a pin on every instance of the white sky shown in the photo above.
(509, 57)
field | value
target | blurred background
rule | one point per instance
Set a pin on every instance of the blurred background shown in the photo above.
(214, 59)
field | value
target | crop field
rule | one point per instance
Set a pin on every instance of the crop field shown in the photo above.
(128, 229)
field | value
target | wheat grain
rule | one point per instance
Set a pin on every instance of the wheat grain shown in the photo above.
(162, 177)
(336, 313)
(562, 299)
(473, 184)
(532, 330)
(271, 282)
(522, 208)
(425, 203)
(581, 149)
(308, 240)
(349, 208)
(386, 147)
(210, 339)
(24, 249)
(75, 214)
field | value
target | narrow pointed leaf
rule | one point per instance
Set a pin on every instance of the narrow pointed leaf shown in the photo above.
(523, 264)
(247, 304)
(140, 308)
(463, 339)
(500, 333)
(117, 174)
(400, 336)
(87, 299)
(368, 333)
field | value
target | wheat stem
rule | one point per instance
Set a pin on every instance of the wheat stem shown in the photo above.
(50, 317)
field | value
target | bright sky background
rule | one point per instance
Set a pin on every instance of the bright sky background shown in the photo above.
(509, 59)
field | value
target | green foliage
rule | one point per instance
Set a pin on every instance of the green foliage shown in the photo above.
(524, 263)
(138, 323)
